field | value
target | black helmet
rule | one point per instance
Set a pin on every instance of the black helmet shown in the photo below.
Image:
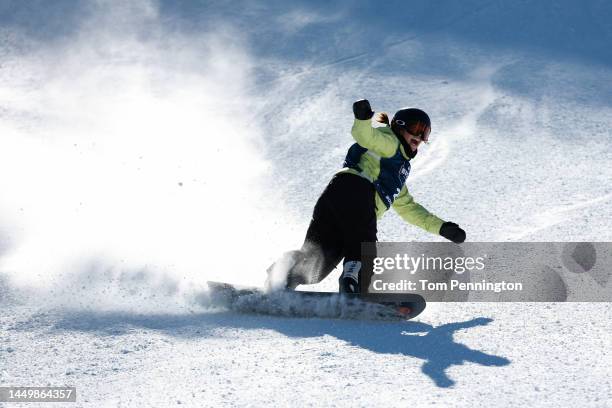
(413, 120)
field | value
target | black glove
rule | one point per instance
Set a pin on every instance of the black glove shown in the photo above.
(362, 110)
(452, 232)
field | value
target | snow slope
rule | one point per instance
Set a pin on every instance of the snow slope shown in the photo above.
(147, 147)
(477, 354)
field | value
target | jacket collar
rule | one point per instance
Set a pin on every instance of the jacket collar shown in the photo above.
(406, 150)
(404, 147)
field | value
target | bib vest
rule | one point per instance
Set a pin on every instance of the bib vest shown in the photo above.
(392, 175)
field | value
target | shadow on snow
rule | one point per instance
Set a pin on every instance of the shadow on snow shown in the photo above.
(432, 344)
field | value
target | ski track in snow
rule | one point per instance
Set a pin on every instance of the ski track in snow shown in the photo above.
(550, 218)
(436, 155)
(134, 328)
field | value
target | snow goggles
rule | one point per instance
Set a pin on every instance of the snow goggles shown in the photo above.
(418, 129)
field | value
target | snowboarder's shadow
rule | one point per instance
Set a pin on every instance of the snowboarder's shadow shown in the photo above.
(440, 350)
(434, 345)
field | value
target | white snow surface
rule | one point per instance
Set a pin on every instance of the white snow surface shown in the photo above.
(147, 147)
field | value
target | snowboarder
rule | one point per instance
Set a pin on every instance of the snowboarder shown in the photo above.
(372, 180)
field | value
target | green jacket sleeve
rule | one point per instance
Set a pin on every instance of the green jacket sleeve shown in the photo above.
(380, 142)
(415, 213)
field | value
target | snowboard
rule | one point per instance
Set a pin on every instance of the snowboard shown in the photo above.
(295, 303)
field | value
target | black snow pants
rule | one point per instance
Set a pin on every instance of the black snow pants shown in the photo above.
(344, 217)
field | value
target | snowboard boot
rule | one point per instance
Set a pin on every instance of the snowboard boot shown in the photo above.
(349, 280)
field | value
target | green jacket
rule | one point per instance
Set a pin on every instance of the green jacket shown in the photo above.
(381, 142)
